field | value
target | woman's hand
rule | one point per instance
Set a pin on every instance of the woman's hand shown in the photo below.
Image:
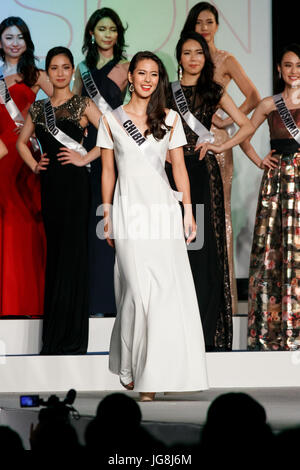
(42, 164)
(108, 232)
(19, 127)
(68, 156)
(190, 227)
(221, 123)
(204, 147)
(269, 161)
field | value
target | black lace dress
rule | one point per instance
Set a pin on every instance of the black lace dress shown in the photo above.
(65, 197)
(209, 264)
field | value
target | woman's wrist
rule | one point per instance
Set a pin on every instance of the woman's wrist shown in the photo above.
(188, 208)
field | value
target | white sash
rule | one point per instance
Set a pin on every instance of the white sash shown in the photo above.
(92, 89)
(286, 117)
(12, 108)
(204, 135)
(57, 133)
(144, 145)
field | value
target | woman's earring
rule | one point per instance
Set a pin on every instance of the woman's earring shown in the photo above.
(180, 72)
(279, 73)
(93, 39)
(131, 88)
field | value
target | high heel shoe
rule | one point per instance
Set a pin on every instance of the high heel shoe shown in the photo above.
(129, 386)
(147, 396)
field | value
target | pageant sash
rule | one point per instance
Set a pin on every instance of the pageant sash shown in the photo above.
(7, 100)
(92, 89)
(204, 135)
(286, 117)
(57, 133)
(13, 109)
(144, 145)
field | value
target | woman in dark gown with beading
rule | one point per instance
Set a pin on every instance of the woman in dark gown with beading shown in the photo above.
(104, 48)
(210, 263)
(65, 207)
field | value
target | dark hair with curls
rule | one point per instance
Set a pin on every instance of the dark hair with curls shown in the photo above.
(279, 83)
(91, 50)
(26, 64)
(209, 90)
(156, 106)
(190, 22)
(57, 51)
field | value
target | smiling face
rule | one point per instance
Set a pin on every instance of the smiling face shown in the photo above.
(145, 77)
(206, 25)
(290, 69)
(13, 43)
(192, 57)
(60, 71)
(105, 34)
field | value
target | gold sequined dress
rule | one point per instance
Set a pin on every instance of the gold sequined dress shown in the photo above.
(274, 278)
(225, 161)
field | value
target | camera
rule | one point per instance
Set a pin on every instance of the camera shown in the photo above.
(53, 408)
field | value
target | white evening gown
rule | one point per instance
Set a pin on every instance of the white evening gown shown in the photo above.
(157, 339)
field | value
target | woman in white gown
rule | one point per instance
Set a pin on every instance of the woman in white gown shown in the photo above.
(157, 341)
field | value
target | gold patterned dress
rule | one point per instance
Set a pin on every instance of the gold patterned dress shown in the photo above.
(225, 161)
(274, 278)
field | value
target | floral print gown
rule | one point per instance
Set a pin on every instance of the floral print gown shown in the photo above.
(274, 279)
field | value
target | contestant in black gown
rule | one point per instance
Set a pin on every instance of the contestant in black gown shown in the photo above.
(65, 196)
(104, 50)
(210, 263)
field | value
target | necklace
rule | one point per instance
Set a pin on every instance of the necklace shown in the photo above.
(9, 69)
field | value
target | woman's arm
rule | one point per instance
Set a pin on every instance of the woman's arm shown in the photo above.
(3, 149)
(77, 87)
(182, 182)
(25, 153)
(259, 116)
(108, 181)
(67, 156)
(92, 113)
(236, 72)
(43, 83)
(247, 87)
(245, 128)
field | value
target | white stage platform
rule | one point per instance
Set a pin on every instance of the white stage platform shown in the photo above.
(271, 377)
(23, 337)
(23, 370)
(89, 373)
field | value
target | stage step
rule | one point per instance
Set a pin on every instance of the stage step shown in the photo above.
(20, 336)
(89, 373)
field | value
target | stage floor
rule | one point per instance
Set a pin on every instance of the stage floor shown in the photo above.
(282, 405)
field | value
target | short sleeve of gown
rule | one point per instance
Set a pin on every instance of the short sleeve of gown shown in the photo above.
(103, 138)
(36, 110)
(178, 138)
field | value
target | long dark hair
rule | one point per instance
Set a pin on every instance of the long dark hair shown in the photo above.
(57, 51)
(156, 106)
(190, 23)
(209, 90)
(26, 64)
(91, 50)
(279, 82)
